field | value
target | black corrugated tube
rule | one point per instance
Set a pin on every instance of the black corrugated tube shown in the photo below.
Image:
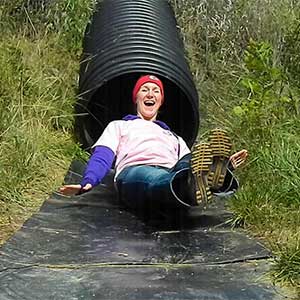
(124, 40)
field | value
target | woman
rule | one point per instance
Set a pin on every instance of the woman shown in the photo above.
(154, 166)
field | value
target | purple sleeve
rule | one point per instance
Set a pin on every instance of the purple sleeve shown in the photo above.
(98, 165)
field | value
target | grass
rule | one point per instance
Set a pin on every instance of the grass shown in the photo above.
(244, 59)
(239, 55)
(269, 201)
(39, 73)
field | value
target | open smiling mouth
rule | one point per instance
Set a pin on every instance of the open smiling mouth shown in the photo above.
(149, 102)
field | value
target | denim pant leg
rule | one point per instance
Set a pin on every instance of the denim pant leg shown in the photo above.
(150, 187)
(183, 163)
(135, 184)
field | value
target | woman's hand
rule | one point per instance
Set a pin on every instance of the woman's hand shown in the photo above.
(238, 158)
(74, 189)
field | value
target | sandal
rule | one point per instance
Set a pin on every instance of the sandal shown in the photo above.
(220, 145)
(200, 165)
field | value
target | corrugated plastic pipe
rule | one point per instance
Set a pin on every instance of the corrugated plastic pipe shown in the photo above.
(124, 40)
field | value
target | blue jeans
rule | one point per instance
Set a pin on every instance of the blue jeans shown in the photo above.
(144, 187)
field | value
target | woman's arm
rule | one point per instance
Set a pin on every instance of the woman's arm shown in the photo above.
(100, 161)
(98, 166)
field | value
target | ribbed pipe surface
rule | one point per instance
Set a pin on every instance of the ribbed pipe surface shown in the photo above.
(124, 40)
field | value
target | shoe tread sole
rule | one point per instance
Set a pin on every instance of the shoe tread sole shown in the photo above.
(220, 145)
(200, 165)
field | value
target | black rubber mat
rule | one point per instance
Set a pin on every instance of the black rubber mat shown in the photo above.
(90, 247)
(232, 282)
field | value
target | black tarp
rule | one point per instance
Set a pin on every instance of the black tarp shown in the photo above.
(90, 247)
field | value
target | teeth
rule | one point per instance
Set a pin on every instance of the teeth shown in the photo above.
(149, 102)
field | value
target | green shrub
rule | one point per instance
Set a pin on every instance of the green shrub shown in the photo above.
(266, 99)
(267, 122)
(216, 34)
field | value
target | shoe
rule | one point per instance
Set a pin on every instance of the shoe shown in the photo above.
(201, 162)
(229, 187)
(220, 145)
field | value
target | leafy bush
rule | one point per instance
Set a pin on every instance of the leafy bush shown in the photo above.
(244, 58)
(267, 120)
(266, 97)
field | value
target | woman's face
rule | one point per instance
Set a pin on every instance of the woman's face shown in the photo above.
(148, 101)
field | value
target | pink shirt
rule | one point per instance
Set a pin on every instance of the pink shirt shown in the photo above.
(141, 142)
